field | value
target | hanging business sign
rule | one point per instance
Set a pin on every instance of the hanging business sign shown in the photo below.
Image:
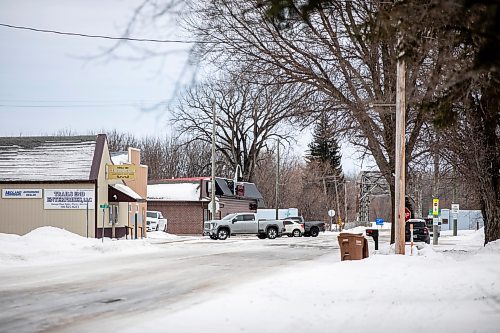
(22, 193)
(122, 171)
(69, 199)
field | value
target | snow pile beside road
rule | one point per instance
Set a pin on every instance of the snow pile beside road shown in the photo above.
(162, 235)
(429, 291)
(47, 244)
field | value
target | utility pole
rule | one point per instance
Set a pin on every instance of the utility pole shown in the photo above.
(400, 181)
(435, 211)
(345, 201)
(455, 217)
(212, 192)
(276, 190)
(337, 200)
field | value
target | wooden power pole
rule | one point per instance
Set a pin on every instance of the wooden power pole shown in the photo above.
(400, 180)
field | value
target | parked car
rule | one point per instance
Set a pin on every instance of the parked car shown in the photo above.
(243, 224)
(155, 221)
(293, 228)
(420, 231)
(311, 228)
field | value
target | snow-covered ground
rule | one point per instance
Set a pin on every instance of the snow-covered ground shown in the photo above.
(452, 287)
(50, 245)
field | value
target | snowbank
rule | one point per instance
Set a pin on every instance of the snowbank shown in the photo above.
(49, 244)
(429, 291)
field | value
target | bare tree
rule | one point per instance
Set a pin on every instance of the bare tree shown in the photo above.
(336, 51)
(119, 141)
(168, 157)
(249, 117)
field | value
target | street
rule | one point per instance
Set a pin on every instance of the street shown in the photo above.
(71, 296)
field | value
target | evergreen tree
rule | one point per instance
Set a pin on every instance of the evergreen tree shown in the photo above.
(324, 150)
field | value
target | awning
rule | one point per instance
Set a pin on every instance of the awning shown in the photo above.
(123, 193)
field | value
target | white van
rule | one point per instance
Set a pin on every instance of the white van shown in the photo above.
(155, 221)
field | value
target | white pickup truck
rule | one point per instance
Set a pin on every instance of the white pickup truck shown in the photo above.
(155, 221)
(243, 224)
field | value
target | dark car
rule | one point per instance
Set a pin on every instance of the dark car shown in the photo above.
(420, 231)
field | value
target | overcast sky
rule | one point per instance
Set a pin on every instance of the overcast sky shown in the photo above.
(50, 83)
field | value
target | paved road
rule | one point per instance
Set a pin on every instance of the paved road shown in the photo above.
(67, 297)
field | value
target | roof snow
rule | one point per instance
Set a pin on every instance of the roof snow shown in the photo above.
(127, 190)
(174, 192)
(120, 157)
(46, 158)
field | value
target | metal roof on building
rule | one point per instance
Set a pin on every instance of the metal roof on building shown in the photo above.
(49, 158)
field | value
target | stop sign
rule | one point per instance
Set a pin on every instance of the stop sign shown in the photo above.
(407, 214)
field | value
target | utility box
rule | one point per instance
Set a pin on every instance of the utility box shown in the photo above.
(352, 246)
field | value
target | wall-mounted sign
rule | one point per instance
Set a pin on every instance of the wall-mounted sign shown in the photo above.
(240, 190)
(21, 193)
(122, 171)
(69, 199)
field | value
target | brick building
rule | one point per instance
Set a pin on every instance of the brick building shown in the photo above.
(184, 201)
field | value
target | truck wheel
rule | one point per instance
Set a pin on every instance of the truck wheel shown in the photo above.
(314, 232)
(272, 233)
(262, 236)
(296, 233)
(222, 233)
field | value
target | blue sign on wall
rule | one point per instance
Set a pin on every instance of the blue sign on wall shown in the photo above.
(379, 221)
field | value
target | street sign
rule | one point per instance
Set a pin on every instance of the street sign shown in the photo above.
(435, 207)
(455, 208)
(407, 214)
(379, 221)
(331, 213)
(435, 221)
(103, 206)
(217, 206)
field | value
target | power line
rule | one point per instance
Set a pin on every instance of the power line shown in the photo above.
(69, 106)
(179, 41)
(148, 40)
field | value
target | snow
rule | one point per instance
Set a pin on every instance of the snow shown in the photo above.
(174, 192)
(50, 244)
(429, 291)
(120, 158)
(46, 158)
(451, 287)
(127, 190)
